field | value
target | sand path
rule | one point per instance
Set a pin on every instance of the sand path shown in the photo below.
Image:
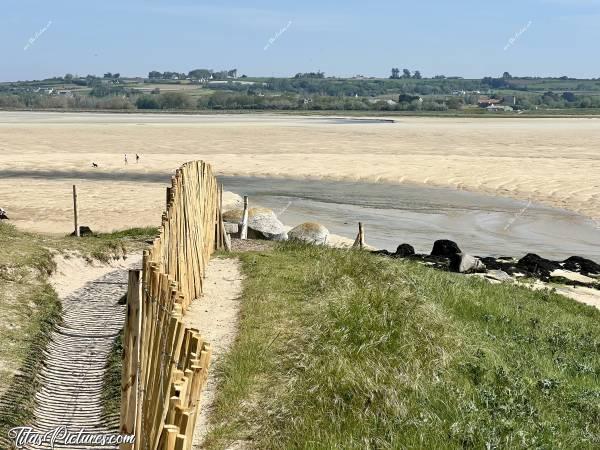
(215, 314)
(72, 377)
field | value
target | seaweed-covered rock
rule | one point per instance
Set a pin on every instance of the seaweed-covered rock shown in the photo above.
(445, 248)
(404, 250)
(581, 265)
(537, 266)
(312, 233)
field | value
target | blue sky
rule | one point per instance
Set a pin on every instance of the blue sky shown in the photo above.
(466, 38)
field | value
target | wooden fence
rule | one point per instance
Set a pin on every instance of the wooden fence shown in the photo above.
(165, 363)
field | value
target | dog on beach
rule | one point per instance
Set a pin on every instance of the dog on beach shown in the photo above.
(94, 164)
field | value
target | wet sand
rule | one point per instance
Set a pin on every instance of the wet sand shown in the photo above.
(555, 162)
(394, 214)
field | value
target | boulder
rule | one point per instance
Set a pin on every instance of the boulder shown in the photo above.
(581, 265)
(537, 266)
(498, 275)
(262, 223)
(504, 264)
(312, 233)
(231, 200)
(404, 250)
(464, 263)
(445, 248)
(84, 231)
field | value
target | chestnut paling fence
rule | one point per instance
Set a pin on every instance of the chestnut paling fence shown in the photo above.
(165, 362)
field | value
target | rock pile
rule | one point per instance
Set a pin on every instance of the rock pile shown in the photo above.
(444, 255)
(447, 255)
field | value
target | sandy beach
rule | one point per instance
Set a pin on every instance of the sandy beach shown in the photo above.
(552, 161)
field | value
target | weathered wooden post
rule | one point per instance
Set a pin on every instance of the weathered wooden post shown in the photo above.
(360, 237)
(131, 356)
(244, 231)
(75, 216)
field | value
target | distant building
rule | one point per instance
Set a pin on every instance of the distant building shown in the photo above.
(485, 102)
(498, 108)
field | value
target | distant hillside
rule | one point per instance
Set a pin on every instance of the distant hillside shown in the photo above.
(204, 89)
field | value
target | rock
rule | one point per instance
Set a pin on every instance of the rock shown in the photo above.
(233, 216)
(537, 266)
(231, 228)
(262, 223)
(404, 250)
(445, 248)
(310, 232)
(464, 263)
(498, 275)
(581, 265)
(84, 231)
(231, 200)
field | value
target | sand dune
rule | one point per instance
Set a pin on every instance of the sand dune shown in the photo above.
(552, 161)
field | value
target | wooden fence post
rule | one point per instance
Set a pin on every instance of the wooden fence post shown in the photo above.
(131, 356)
(244, 231)
(75, 215)
(360, 237)
(168, 196)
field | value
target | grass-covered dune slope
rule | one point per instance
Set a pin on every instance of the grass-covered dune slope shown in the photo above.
(346, 350)
(30, 308)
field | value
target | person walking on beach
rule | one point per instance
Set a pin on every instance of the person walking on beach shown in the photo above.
(137, 158)
(125, 158)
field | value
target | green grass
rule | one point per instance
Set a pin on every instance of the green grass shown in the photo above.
(346, 350)
(30, 309)
(111, 390)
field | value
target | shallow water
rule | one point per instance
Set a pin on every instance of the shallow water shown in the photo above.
(394, 214)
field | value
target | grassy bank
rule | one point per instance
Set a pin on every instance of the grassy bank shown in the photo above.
(340, 349)
(111, 389)
(30, 308)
